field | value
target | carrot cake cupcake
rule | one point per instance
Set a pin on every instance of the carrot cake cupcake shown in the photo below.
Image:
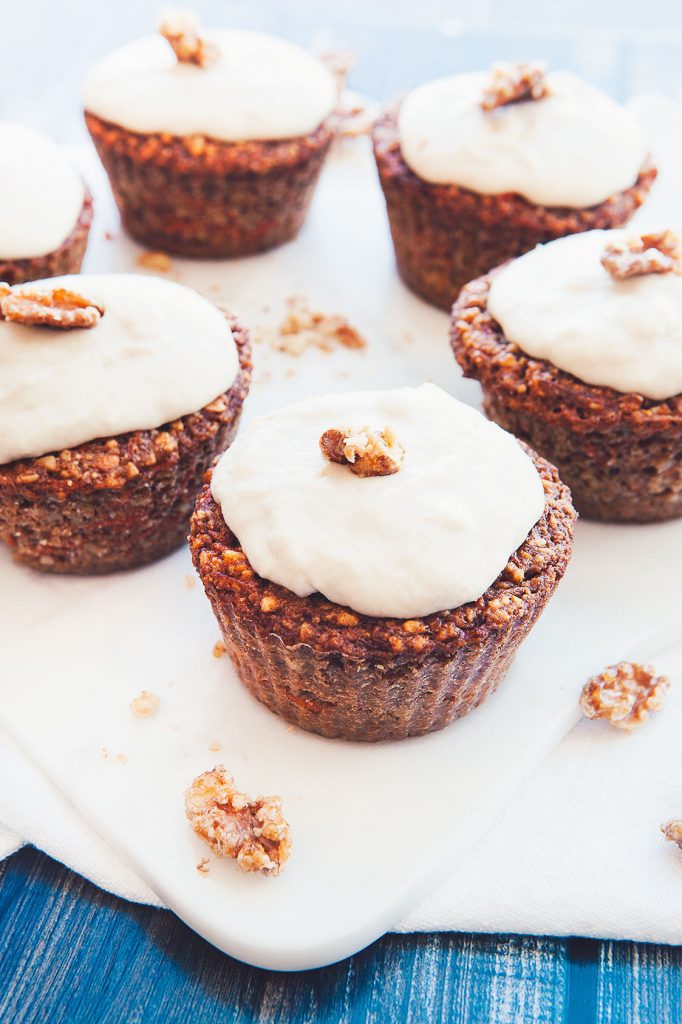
(213, 142)
(578, 348)
(45, 209)
(375, 559)
(116, 393)
(478, 168)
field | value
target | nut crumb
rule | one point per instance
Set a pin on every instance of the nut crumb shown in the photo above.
(303, 328)
(511, 82)
(672, 830)
(145, 704)
(624, 694)
(215, 746)
(252, 832)
(657, 253)
(367, 452)
(202, 866)
(219, 649)
(54, 307)
(181, 30)
(157, 261)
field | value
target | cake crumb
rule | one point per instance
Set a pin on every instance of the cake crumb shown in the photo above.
(672, 830)
(190, 581)
(159, 262)
(511, 82)
(215, 746)
(252, 832)
(145, 704)
(202, 866)
(624, 694)
(366, 452)
(655, 253)
(121, 758)
(303, 328)
(219, 649)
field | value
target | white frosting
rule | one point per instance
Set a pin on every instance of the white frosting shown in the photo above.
(575, 147)
(41, 193)
(159, 352)
(558, 303)
(430, 537)
(260, 87)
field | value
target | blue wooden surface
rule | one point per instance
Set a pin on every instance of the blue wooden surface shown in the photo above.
(70, 953)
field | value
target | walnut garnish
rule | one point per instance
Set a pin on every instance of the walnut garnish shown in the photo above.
(657, 253)
(181, 30)
(253, 832)
(367, 452)
(145, 704)
(511, 82)
(672, 830)
(624, 694)
(54, 307)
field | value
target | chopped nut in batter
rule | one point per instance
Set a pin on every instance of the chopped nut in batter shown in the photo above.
(55, 307)
(303, 328)
(145, 704)
(253, 832)
(159, 262)
(511, 82)
(367, 452)
(658, 253)
(181, 30)
(624, 694)
(672, 830)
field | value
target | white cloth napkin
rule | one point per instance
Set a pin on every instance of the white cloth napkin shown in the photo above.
(578, 851)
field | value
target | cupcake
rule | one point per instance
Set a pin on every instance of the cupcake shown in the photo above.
(375, 559)
(478, 168)
(45, 209)
(213, 143)
(116, 393)
(578, 348)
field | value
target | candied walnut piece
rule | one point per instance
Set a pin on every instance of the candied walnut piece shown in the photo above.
(367, 452)
(252, 832)
(510, 83)
(672, 830)
(145, 704)
(55, 307)
(181, 30)
(658, 253)
(624, 694)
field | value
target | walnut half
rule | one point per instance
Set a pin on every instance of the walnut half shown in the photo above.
(366, 452)
(657, 253)
(512, 82)
(624, 694)
(252, 832)
(54, 307)
(181, 30)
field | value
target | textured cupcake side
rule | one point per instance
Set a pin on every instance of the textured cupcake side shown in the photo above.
(120, 502)
(444, 236)
(332, 671)
(67, 259)
(203, 198)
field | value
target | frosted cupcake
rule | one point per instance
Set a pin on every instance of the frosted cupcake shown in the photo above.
(481, 167)
(578, 348)
(375, 559)
(45, 208)
(116, 393)
(213, 142)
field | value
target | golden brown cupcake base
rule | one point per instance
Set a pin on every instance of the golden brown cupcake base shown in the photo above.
(67, 259)
(445, 236)
(335, 672)
(120, 502)
(621, 454)
(203, 198)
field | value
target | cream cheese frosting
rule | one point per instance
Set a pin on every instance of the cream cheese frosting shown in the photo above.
(575, 147)
(258, 88)
(558, 303)
(160, 351)
(429, 537)
(41, 193)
